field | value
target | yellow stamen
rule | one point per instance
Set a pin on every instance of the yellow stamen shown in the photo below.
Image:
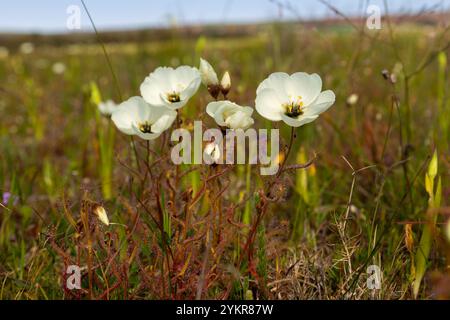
(173, 97)
(145, 127)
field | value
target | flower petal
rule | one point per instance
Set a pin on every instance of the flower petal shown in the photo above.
(297, 122)
(239, 120)
(191, 89)
(248, 110)
(324, 101)
(277, 81)
(131, 111)
(184, 75)
(308, 86)
(219, 109)
(164, 119)
(152, 90)
(212, 108)
(268, 104)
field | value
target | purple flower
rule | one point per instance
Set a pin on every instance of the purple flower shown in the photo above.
(6, 197)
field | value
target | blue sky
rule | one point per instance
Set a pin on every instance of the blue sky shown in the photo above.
(50, 15)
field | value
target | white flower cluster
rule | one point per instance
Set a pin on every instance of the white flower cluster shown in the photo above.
(296, 99)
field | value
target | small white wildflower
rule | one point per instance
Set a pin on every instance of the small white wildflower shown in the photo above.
(26, 48)
(136, 117)
(230, 115)
(211, 153)
(296, 99)
(59, 68)
(352, 99)
(169, 87)
(107, 108)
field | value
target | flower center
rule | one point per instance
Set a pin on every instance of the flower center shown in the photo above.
(173, 97)
(145, 127)
(294, 107)
(227, 114)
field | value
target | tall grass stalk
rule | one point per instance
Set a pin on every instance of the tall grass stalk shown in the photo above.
(435, 195)
(106, 137)
(443, 115)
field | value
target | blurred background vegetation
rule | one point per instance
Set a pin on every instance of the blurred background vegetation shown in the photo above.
(365, 201)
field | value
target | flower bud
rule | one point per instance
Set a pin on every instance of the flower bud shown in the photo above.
(352, 99)
(225, 83)
(209, 76)
(211, 153)
(385, 74)
(101, 214)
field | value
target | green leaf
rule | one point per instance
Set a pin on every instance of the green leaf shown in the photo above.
(429, 185)
(433, 166)
(426, 239)
(96, 96)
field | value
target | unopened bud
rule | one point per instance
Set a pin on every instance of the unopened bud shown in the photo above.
(392, 78)
(352, 99)
(212, 153)
(101, 214)
(225, 83)
(209, 76)
(385, 74)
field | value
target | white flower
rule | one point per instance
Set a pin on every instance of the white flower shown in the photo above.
(352, 99)
(171, 88)
(136, 117)
(4, 53)
(296, 99)
(107, 108)
(58, 68)
(211, 153)
(26, 48)
(229, 114)
(209, 76)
